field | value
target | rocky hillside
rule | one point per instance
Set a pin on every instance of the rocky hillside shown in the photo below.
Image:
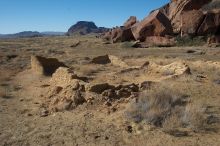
(177, 18)
(85, 27)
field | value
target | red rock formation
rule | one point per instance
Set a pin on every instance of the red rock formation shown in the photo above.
(176, 8)
(191, 20)
(156, 24)
(130, 22)
(211, 24)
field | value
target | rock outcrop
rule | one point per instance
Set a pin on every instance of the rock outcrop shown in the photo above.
(123, 33)
(210, 24)
(176, 8)
(156, 24)
(130, 22)
(179, 17)
(191, 20)
(45, 66)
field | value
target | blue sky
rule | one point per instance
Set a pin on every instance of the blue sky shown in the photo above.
(59, 15)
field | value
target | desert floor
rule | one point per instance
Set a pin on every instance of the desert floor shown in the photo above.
(22, 93)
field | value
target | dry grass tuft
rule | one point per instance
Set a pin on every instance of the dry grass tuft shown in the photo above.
(167, 108)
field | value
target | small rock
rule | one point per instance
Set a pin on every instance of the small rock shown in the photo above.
(75, 44)
(29, 115)
(101, 60)
(21, 99)
(190, 51)
(44, 113)
(108, 103)
(217, 82)
(129, 129)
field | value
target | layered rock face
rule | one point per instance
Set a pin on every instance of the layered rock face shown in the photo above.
(211, 24)
(189, 17)
(176, 8)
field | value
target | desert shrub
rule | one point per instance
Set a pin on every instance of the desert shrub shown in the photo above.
(155, 105)
(167, 108)
(190, 41)
(127, 44)
(194, 117)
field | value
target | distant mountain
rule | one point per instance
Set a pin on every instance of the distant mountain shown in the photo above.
(85, 27)
(23, 34)
(30, 34)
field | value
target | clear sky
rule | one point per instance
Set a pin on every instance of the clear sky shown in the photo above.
(59, 15)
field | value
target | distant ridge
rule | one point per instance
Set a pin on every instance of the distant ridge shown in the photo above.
(31, 34)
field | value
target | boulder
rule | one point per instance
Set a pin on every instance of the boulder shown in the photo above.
(75, 44)
(191, 20)
(130, 22)
(45, 66)
(101, 60)
(156, 24)
(107, 59)
(117, 61)
(98, 87)
(116, 34)
(210, 24)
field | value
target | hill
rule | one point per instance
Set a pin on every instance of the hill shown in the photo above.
(85, 27)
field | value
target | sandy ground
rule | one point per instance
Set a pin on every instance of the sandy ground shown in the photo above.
(22, 93)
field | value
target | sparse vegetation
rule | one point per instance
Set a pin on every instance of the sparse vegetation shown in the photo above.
(190, 41)
(167, 108)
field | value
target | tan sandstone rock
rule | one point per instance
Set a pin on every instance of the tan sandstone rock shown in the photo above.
(45, 66)
(65, 77)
